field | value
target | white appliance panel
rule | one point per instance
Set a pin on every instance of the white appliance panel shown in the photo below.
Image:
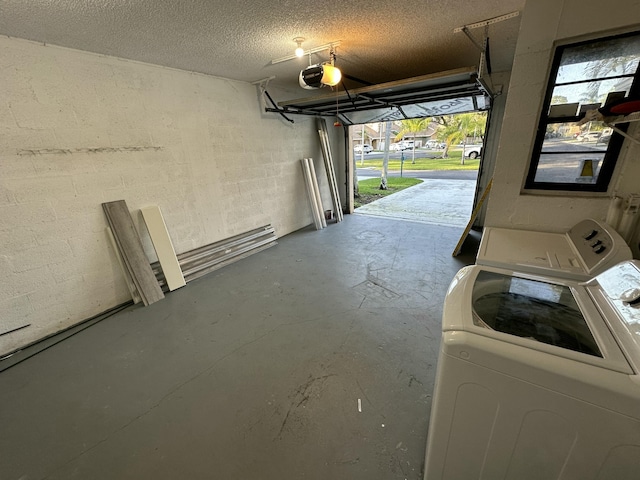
(588, 248)
(537, 378)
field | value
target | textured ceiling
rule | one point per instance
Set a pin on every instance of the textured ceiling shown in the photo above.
(381, 40)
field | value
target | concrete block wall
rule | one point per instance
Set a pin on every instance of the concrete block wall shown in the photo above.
(79, 129)
(545, 22)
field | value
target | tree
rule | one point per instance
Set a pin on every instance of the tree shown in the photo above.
(413, 125)
(604, 67)
(456, 128)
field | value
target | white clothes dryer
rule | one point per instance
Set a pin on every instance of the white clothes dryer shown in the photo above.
(538, 378)
(587, 249)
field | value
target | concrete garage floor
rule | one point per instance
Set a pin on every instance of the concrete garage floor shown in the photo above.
(253, 372)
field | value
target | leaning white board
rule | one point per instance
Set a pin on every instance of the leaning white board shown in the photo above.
(163, 246)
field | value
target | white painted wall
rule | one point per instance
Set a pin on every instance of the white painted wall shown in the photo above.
(78, 129)
(543, 23)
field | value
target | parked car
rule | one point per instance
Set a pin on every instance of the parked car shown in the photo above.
(473, 151)
(604, 139)
(435, 144)
(402, 145)
(589, 136)
(363, 147)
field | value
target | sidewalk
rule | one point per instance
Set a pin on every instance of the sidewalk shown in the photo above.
(435, 201)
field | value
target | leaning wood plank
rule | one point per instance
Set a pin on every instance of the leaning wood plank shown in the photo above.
(132, 252)
(316, 191)
(474, 214)
(163, 246)
(125, 272)
(127, 266)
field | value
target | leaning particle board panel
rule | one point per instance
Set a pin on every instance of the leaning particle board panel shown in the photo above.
(125, 272)
(163, 246)
(132, 252)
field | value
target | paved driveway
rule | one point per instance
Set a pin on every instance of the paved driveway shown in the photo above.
(436, 201)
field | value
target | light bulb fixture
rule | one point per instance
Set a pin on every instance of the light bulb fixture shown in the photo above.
(327, 46)
(299, 50)
(331, 76)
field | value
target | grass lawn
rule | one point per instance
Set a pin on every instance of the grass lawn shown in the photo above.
(369, 189)
(422, 163)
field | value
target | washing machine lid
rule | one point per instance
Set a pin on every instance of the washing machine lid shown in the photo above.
(541, 311)
(556, 316)
(617, 293)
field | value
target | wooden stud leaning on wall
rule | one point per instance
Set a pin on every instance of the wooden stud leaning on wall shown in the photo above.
(474, 214)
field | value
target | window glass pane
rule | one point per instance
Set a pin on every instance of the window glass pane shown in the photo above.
(579, 156)
(571, 137)
(608, 58)
(580, 167)
(590, 92)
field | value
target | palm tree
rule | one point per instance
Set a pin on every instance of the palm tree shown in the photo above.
(448, 132)
(413, 125)
(597, 69)
(456, 128)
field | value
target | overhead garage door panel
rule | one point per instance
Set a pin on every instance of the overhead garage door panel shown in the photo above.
(445, 93)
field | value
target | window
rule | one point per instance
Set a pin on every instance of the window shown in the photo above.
(570, 153)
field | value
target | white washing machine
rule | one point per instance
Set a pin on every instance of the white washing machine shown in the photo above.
(587, 249)
(538, 378)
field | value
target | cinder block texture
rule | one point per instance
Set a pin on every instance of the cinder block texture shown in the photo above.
(80, 129)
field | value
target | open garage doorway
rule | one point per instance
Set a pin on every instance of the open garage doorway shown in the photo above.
(431, 172)
(433, 96)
